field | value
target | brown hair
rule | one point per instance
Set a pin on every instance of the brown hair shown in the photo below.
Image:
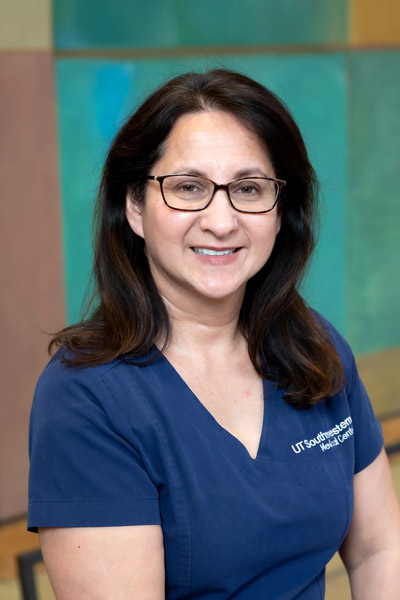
(286, 342)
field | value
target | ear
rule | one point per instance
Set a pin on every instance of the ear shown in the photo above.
(133, 211)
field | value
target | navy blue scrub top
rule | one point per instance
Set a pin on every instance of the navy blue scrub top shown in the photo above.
(124, 444)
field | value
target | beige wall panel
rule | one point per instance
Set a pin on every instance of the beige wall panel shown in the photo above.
(381, 376)
(25, 24)
(375, 22)
(30, 255)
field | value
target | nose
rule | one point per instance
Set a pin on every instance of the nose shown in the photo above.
(219, 217)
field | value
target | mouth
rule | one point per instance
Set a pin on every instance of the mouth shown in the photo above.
(211, 252)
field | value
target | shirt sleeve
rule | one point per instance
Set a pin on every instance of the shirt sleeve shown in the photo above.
(85, 470)
(368, 437)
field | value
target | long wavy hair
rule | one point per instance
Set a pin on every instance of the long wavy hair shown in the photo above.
(125, 317)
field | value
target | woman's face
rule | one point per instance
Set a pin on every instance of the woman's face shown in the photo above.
(182, 247)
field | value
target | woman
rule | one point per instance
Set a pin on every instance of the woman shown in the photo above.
(203, 433)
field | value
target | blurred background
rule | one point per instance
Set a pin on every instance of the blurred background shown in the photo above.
(71, 71)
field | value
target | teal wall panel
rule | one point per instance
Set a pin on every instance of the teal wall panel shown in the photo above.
(170, 23)
(374, 201)
(94, 96)
(92, 99)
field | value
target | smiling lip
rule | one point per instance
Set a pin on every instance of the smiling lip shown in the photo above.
(214, 251)
(221, 257)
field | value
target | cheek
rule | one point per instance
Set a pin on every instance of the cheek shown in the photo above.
(166, 227)
(267, 231)
(266, 236)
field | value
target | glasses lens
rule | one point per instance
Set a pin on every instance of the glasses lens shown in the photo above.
(186, 192)
(254, 195)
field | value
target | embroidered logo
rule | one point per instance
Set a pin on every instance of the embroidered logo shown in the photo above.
(327, 439)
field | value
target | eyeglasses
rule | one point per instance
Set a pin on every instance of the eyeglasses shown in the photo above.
(191, 192)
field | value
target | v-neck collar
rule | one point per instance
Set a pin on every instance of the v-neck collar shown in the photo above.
(218, 431)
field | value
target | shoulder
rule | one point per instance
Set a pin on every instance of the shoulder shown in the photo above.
(113, 388)
(353, 398)
(341, 345)
(95, 404)
(59, 371)
(87, 454)
(60, 379)
(66, 397)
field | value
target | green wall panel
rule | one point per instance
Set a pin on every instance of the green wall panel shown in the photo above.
(94, 97)
(170, 23)
(374, 201)
(91, 101)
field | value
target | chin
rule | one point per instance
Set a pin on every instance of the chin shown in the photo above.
(223, 293)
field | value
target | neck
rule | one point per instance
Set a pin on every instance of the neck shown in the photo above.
(210, 328)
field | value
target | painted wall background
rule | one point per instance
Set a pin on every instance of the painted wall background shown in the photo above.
(335, 64)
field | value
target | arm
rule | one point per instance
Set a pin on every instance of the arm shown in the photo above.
(371, 550)
(99, 563)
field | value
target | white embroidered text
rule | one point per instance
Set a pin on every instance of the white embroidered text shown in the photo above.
(327, 439)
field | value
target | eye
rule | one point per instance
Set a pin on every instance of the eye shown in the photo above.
(188, 187)
(184, 187)
(245, 188)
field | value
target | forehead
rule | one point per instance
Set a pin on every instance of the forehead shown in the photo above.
(212, 136)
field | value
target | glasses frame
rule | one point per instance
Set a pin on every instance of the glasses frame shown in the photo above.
(217, 186)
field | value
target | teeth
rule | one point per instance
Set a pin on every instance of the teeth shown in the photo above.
(209, 252)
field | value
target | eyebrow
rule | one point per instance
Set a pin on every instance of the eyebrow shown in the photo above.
(237, 175)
